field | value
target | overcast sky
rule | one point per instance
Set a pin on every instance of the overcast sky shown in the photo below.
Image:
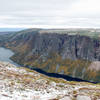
(49, 13)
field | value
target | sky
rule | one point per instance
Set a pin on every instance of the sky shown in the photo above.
(49, 13)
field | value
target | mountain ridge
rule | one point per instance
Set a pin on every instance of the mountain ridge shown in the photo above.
(67, 54)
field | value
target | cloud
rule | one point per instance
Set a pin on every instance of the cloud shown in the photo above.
(49, 13)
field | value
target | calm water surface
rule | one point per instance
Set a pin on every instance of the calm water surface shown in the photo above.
(5, 55)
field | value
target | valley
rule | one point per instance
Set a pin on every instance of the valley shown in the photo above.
(72, 52)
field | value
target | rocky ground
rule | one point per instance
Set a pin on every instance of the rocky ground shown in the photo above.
(24, 84)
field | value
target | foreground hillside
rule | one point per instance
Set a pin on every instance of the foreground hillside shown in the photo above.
(18, 83)
(72, 52)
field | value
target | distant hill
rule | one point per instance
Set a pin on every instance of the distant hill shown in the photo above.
(3, 33)
(10, 29)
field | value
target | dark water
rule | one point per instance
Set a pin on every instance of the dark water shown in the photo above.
(66, 77)
(5, 55)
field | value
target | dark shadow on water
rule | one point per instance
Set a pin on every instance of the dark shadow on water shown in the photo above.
(5, 55)
(66, 77)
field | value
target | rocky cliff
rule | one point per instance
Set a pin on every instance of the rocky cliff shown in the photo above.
(71, 52)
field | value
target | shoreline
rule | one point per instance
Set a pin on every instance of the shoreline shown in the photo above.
(55, 75)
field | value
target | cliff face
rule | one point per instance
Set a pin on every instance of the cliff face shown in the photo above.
(68, 54)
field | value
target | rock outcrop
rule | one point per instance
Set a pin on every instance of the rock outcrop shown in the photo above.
(19, 83)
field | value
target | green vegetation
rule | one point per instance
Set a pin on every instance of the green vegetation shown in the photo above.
(39, 49)
(67, 66)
